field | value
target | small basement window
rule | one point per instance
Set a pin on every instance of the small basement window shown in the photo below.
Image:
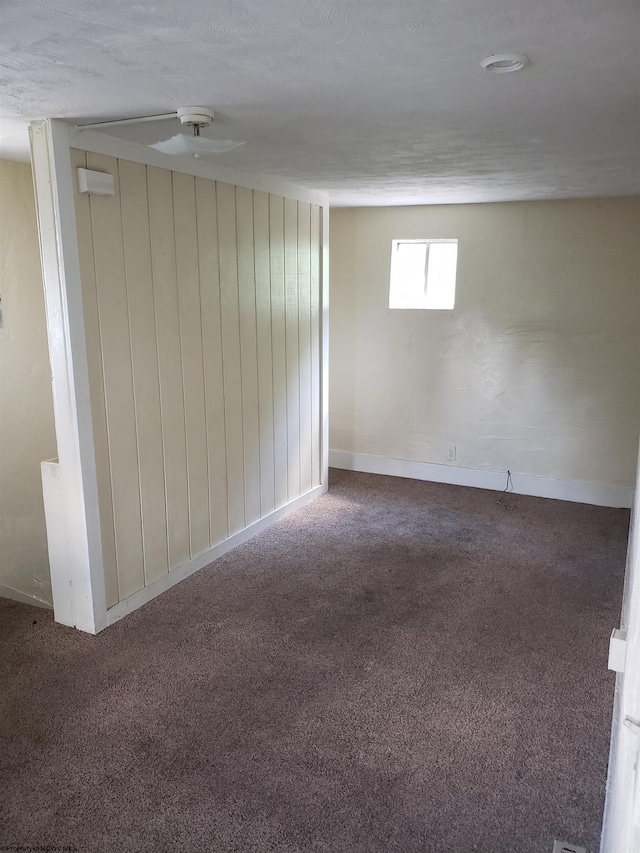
(423, 274)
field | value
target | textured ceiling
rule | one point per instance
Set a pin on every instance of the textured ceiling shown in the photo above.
(373, 101)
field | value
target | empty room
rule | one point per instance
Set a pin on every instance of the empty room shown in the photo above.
(319, 426)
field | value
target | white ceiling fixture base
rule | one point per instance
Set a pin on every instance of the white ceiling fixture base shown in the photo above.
(195, 116)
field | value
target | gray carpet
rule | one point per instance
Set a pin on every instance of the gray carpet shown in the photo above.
(400, 666)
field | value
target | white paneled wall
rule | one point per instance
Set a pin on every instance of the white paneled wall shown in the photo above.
(202, 318)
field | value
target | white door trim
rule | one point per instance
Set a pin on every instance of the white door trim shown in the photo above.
(621, 825)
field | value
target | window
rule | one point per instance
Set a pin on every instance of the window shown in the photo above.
(423, 274)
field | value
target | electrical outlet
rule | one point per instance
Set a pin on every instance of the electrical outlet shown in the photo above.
(564, 847)
(451, 453)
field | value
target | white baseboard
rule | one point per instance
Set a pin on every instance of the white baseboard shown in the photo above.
(178, 574)
(578, 491)
(22, 597)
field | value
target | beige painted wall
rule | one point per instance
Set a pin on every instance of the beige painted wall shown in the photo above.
(536, 368)
(202, 321)
(26, 411)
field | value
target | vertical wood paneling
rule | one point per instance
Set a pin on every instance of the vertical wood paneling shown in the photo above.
(230, 312)
(169, 362)
(118, 380)
(203, 322)
(96, 384)
(265, 359)
(293, 355)
(248, 353)
(187, 271)
(304, 342)
(146, 382)
(316, 353)
(207, 226)
(279, 349)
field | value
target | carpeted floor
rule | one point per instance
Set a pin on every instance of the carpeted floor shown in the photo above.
(400, 666)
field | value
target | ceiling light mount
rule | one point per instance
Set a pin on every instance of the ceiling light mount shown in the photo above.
(505, 63)
(195, 117)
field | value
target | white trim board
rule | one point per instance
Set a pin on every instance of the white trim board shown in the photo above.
(71, 492)
(147, 593)
(22, 597)
(577, 491)
(324, 344)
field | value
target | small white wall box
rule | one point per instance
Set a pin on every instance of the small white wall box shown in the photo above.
(617, 650)
(95, 183)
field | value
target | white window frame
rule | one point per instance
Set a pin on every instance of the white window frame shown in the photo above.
(396, 281)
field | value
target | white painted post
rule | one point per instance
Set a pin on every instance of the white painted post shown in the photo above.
(70, 485)
(324, 338)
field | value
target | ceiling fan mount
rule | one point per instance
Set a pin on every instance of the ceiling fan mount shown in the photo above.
(195, 117)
